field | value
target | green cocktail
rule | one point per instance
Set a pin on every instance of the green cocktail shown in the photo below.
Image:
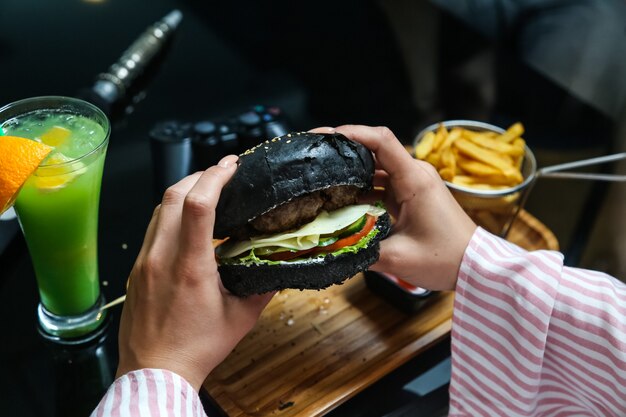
(58, 208)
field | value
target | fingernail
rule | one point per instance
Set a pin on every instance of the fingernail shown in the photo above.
(228, 160)
(323, 129)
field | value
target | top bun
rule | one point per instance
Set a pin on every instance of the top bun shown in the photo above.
(281, 169)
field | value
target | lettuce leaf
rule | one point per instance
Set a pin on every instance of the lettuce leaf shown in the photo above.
(252, 259)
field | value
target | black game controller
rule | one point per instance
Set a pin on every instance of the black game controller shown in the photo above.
(180, 148)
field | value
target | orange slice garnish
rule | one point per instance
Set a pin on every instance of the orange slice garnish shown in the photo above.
(19, 158)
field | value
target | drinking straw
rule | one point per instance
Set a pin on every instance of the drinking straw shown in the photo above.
(115, 302)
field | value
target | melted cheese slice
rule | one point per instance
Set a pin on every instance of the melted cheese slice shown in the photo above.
(307, 236)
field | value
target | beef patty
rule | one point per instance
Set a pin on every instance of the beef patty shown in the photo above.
(304, 209)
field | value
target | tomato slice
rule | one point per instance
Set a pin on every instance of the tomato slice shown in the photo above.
(350, 240)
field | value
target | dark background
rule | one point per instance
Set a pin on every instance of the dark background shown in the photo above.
(398, 63)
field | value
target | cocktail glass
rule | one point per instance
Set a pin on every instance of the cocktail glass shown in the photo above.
(57, 210)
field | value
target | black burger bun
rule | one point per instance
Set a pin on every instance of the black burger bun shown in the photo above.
(282, 169)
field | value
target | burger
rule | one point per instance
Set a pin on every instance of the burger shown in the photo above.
(291, 217)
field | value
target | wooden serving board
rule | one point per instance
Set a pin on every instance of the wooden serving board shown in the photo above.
(312, 350)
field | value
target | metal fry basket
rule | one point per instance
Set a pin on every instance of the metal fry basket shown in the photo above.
(496, 210)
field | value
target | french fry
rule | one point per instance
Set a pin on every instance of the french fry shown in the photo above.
(433, 159)
(520, 144)
(484, 183)
(476, 168)
(476, 159)
(425, 146)
(448, 159)
(464, 180)
(514, 131)
(472, 134)
(500, 180)
(454, 134)
(447, 173)
(440, 136)
(518, 160)
(498, 146)
(486, 156)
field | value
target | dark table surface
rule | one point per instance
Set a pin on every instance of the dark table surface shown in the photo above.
(323, 63)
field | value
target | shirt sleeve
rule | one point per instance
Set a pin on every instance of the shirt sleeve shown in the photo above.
(150, 392)
(532, 337)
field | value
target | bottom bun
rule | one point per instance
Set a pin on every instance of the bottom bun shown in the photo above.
(245, 280)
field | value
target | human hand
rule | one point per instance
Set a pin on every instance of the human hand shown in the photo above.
(431, 231)
(177, 315)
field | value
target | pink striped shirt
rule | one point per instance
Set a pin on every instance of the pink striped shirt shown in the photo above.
(530, 337)
(150, 393)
